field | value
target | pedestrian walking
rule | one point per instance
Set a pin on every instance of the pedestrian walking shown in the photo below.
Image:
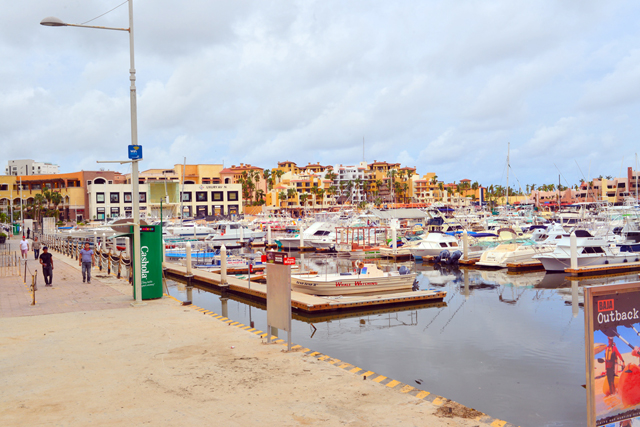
(46, 259)
(28, 233)
(36, 248)
(86, 261)
(24, 247)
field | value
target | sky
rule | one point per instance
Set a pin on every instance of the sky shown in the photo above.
(438, 85)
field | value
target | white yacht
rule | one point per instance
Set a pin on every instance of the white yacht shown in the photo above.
(320, 234)
(229, 234)
(592, 251)
(190, 229)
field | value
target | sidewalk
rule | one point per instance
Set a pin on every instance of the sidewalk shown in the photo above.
(85, 356)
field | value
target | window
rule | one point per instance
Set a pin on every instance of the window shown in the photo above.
(100, 213)
(100, 198)
(232, 196)
(127, 198)
(88, 183)
(114, 197)
(216, 196)
(201, 196)
(186, 196)
(143, 197)
(115, 212)
(99, 181)
(233, 209)
(201, 211)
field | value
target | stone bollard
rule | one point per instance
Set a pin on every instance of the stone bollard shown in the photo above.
(188, 252)
(223, 265)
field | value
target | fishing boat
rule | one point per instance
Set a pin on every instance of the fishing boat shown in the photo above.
(367, 278)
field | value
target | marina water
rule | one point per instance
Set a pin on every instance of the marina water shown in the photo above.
(511, 346)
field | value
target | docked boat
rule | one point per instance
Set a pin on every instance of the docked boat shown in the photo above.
(367, 278)
(189, 230)
(230, 233)
(319, 235)
(434, 243)
(591, 251)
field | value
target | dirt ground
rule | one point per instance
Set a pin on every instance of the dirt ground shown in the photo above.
(169, 365)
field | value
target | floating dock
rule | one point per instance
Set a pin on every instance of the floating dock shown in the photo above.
(604, 269)
(304, 302)
(520, 267)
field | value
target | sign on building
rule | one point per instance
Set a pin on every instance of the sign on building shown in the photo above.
(612, 339)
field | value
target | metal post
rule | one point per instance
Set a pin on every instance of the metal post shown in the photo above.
(241, 234)
(269, 235)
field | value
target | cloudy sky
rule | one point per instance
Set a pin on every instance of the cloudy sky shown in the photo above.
(439, 85)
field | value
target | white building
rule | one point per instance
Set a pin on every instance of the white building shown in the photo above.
(198, 200)
(30, 167)
(346, 174)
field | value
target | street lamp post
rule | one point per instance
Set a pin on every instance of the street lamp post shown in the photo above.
(137, 271)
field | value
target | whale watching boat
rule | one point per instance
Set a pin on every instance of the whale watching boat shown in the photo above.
(367, 278)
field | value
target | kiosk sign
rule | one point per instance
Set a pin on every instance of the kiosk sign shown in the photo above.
(612, 329)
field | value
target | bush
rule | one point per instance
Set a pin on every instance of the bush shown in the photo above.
(2, 234)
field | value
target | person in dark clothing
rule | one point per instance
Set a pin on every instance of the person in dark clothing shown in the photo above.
(28, 233)
(611, 357)
(46, 259)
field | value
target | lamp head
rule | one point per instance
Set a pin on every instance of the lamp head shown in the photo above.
(52, 21)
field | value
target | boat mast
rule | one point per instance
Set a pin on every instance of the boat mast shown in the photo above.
(508, 149)
(184, 166)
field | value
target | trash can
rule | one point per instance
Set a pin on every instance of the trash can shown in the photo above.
(16, 229)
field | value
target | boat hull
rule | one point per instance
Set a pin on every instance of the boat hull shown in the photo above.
(550, 262)
(351, 284)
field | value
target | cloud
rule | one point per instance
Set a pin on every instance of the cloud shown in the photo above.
(441, 86)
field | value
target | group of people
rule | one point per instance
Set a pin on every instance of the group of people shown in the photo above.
(86, 259)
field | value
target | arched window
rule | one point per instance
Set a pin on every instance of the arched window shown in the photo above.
(99, 181)
(189, 182)
(227, 181)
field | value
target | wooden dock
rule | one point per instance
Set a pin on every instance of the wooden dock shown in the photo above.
(604, 269)
(521, 267)
(304, 302)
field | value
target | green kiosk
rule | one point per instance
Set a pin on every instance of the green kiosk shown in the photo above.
(150, 258)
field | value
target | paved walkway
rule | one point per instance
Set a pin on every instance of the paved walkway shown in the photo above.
(67, 294)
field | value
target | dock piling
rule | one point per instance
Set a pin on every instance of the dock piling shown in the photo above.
(223, 264)
(188, 251)
(574, 250)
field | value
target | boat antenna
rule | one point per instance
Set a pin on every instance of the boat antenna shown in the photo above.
(508, 167)
(585, 178)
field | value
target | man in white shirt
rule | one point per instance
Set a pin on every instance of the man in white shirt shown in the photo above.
(24, 247)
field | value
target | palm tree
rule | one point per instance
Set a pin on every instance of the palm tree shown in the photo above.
(291, 193)
(266, 174)
(260, 196)
(303, 198)
(282, 196)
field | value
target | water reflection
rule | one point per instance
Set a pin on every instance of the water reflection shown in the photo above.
(509, 345)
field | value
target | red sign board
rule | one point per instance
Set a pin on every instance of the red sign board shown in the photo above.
(279, 258)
